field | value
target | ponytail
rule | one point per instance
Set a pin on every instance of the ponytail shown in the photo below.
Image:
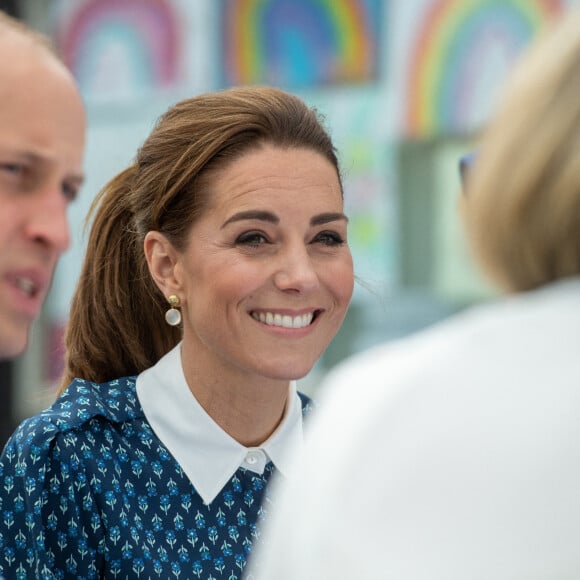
(116, 326)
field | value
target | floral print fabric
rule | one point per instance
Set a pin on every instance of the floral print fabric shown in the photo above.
(87, 490)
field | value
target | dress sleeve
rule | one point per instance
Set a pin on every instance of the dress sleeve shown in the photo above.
(50, 526)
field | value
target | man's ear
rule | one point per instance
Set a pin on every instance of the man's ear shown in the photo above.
(162, 259)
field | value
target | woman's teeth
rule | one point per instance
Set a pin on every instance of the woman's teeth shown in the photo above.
(285, 320)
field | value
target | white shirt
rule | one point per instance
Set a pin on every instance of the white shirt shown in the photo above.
(452, 455)
(207, 454)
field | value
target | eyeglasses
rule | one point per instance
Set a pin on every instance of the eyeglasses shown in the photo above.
(465, 165)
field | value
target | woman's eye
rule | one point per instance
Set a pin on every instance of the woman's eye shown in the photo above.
(329, 239)
(253, 239)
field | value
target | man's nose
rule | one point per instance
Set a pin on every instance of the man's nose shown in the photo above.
(47, 222)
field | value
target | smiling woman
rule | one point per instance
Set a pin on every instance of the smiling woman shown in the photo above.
(158, 454)
(282, 260)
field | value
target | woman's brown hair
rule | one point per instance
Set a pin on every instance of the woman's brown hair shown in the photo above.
(116, 326)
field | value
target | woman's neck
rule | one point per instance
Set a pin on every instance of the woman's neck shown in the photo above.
(247, 408)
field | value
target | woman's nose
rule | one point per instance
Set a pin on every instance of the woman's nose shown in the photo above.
(296, 271)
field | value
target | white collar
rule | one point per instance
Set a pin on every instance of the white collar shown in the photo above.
(206, 453)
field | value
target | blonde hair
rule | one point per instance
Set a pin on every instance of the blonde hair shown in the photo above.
(116, 326)
(523, 204)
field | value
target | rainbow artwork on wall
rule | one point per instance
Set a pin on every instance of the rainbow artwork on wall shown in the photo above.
(125, 47)
(299, 43)
(460, 47)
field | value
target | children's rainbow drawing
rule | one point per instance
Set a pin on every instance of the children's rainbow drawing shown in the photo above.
(134, 42)
(454, 43)
(299, 43)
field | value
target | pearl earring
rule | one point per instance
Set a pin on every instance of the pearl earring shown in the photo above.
(173, 316)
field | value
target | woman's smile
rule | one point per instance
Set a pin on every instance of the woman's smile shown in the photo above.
(281, 319)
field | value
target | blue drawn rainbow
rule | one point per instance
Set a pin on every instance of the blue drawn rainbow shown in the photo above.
(299, 43)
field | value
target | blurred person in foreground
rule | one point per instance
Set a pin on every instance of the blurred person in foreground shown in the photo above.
(217, 272)
(42, 134)
(455, 454)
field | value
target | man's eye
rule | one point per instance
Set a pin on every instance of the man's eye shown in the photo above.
(253, 239)
(12, 168)
(70, 192)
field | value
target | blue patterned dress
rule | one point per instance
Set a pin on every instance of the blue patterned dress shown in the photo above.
(87, 490)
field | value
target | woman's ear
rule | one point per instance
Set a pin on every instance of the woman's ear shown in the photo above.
(162, 259)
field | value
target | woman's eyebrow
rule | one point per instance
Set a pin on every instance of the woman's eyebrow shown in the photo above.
(261, 215)
(325, 218)
(267, 216)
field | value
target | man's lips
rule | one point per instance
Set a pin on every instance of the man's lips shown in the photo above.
(30, 282)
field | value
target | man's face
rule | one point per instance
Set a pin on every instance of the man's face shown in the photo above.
(42, 133)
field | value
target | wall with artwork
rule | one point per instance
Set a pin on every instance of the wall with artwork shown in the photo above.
(405, 85)
(448, 61)
(449, 58)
